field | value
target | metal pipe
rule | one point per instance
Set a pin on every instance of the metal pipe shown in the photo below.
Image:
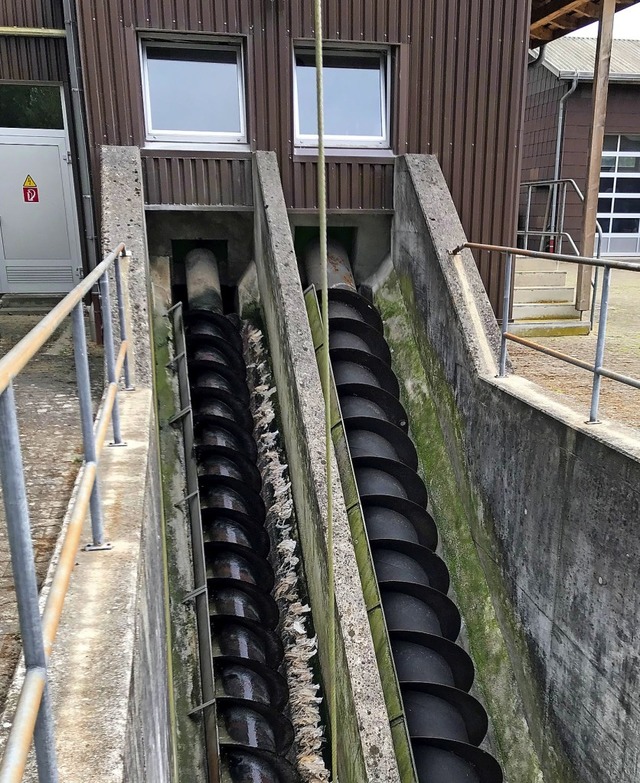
(203, 280)
(80, 132)
(506, 306)
(539, 58)
(559, 142)
(21, 354)
(550, 352)
(24, 575)
(602, 334)
(16, 752)
(32, 32)
(123, 323)
(86, 416)
(610, 262)
(109, 355)
(62, 576)
(102, 422)
(339, 273)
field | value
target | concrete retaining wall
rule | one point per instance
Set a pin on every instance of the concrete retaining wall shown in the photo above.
(364, 743)
(552, 504)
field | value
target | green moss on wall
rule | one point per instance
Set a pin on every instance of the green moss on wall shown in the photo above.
(466, 539)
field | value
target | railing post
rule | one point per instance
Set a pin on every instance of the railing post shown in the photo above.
(24, 576)
(109, 353)
(602, 334)
(506, 306)
(527, 221)
(123, 322)
(86, 419)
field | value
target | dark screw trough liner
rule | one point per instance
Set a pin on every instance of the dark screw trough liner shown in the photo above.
(254, 736)
(446, 723)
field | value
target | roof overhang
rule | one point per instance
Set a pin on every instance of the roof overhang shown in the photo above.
(587, 76)
(551, 19)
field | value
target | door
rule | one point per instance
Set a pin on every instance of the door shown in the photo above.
(39, 239)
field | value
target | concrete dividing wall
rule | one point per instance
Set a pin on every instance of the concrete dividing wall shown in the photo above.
(552, 504)
(364, 742)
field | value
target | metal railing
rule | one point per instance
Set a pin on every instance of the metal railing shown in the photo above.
(597, 368)
(33, 717)
(554, 215)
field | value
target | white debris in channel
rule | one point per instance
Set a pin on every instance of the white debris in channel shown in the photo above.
(300, 647)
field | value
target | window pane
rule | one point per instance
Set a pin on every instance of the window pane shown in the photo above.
(628, 185)
(29, 106)
(630, 143)
(628, 163)
(194, 90)
(625, 226)
(627, 206)
(352, 97)
(604, 204)
(605, 225)
(623, 245)
(608, 164)
(606, 185)
(610, 144)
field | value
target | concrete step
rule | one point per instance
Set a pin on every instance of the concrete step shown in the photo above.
(544, 293)
(535, 311)
(525, 264)
(556, 278)
(564, 328)
(28, 304)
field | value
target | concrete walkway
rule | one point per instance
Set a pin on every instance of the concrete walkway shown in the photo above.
(619, 403)
(52, 448)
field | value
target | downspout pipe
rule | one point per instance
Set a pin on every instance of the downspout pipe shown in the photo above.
(559, 141)
(539, 58)
(80, 132)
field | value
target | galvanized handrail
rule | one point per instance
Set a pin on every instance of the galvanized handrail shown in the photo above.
(33, 717)
(557, 223)
(597, 368)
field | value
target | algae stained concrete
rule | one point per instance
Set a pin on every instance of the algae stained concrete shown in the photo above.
(551, 504)
(364, 745)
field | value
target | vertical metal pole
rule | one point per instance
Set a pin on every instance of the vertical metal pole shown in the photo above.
(506, 306)
(24, 576)
(602, 334)
(123, 323)
(86, 417)
(109, 354)
(527, 222)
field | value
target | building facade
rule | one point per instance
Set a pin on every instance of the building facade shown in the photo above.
(551, 79)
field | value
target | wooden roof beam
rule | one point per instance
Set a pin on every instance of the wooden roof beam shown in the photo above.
(557, 8)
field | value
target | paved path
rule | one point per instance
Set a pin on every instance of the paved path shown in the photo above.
(618, 403)
(51, 442)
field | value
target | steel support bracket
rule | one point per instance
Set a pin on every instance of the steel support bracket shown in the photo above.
(97, 547)
(180, 415)
(201, 707)
(194, 594)
(113, 445)
(186, 498)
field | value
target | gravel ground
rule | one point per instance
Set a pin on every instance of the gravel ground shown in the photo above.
(52, 448)
(619, 403)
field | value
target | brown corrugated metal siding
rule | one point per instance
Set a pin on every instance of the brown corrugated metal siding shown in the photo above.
(457, 89)
(458, 76)
(32, 59)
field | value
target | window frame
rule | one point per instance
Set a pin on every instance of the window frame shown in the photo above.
(185, 138)
(612, 239)
(333, 141)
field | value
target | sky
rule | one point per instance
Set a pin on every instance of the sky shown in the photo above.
(626, 25)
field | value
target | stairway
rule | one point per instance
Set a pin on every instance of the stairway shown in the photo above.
(543, 302)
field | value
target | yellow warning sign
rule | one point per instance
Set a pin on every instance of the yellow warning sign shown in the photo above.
(29, 182)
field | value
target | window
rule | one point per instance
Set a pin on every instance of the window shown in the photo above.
(356, 99)
(194, 93)
(31, 106)
(619, 202)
